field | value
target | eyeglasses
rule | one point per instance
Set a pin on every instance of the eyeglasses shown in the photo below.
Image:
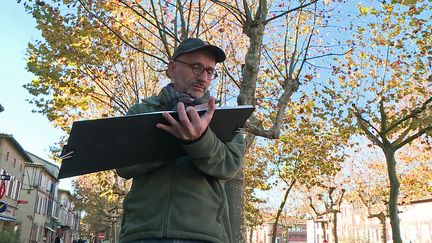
(198, 69)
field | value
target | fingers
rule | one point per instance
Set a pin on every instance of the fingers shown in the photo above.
(190, 125)
(193, 114)
(183, 117)
(171, 120)
(210, 111)
(166, 128)
(173, 127)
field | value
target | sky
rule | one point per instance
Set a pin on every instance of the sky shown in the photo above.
(31, 130)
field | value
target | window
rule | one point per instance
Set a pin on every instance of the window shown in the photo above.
(14, 163)
(14, 189)
(7, 156)
(10, 186)
(18, 189)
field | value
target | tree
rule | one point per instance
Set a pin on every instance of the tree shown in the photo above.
(280, 78)
(81, 71)
(101, 205)
(255, 178)
(373, 193)
(309, 149)
(386, 78)
(327, 199)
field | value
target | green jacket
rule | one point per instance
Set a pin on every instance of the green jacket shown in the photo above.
(184, 197)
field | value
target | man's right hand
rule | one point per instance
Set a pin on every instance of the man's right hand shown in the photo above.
(190, 126)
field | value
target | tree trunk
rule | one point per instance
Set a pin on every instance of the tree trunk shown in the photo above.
(114, 231)
(334, 227)
(251, 66)
(394, 193)
(279, 212)
(234, 187)
(323, 227)
(234, 191)
(251, 234)
(382, 220)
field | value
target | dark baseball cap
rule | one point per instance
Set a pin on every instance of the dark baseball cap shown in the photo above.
(195, 44)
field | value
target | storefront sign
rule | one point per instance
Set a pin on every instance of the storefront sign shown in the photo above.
(3, 207)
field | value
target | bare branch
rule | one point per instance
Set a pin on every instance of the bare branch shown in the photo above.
(381, 102)
(307, 45)
(230, 76)
(233, 10)
(151, 22)
(362, 123)
(411, 138)
(329, 54)
(405, 133)
(290, 10)
(413, 114)
(119, 36)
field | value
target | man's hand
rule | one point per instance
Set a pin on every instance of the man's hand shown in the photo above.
(190, 125)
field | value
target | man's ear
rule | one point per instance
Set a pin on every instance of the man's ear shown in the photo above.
(171, 70)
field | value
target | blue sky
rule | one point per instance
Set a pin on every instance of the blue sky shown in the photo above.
(32, 130)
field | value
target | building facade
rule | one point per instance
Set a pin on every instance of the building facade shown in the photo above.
(12, 165)
(293, 232)
(68, 217)
(355, 226)
(39, 191)
(30, 201)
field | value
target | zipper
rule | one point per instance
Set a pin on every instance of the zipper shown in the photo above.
(168, 210)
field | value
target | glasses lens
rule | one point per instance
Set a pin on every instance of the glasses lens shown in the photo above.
(197, 69)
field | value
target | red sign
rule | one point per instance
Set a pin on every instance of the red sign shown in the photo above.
(2, 189)
(101, 236)
(22, 202)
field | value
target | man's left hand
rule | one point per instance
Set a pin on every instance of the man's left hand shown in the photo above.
(190, 125)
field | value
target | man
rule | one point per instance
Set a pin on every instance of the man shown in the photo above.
(183, 199)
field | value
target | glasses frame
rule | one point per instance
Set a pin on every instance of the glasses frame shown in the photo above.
(198, 66)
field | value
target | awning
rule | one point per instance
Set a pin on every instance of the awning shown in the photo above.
(6, 218)
(48, 228)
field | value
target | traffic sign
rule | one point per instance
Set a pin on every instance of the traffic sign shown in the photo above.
(101, 236)
(2, 207)
(5, 177)
(2, 189)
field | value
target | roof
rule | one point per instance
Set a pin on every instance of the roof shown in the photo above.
(52, 169)
(15, 143)
(65, 191)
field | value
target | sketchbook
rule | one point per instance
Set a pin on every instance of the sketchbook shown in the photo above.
(110, 143)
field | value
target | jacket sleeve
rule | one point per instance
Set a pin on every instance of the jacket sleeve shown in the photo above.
(216, 158)
(135, 170)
